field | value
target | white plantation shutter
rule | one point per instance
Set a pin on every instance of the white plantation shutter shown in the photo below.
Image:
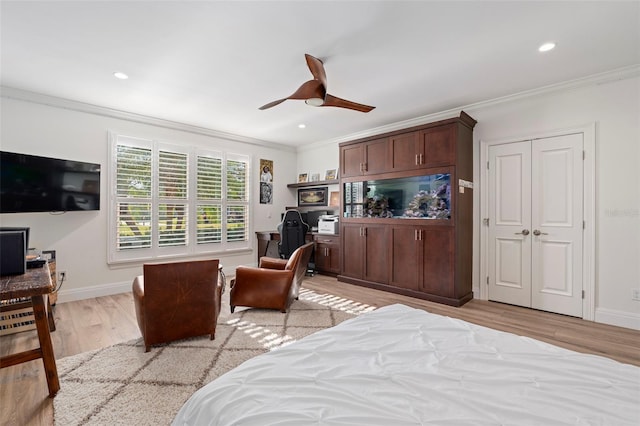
(172, 222)
(237, 199)
(209, 186)
(172, 200)
(133, 188)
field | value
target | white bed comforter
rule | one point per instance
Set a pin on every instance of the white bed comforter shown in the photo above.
(401, 366)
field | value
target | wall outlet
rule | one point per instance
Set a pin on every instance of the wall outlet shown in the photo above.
(635, 293)
(62, 276)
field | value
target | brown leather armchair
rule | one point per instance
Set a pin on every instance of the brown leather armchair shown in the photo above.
(274, 284)
(174, 301)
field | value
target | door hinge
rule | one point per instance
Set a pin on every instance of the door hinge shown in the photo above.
(584, 224)
(487, 279)
(584, 155)
(583, 294)
(487, 165)
(485, 221)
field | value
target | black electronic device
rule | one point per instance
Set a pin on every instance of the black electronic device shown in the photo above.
(30, 183)
(35, 263)
(13, 250)
(313, 217)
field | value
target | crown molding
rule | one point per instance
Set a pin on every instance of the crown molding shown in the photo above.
(39, 98)
(592, 80)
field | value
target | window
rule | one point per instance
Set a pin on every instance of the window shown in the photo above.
(171, 200)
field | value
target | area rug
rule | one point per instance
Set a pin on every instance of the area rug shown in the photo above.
(122, 384)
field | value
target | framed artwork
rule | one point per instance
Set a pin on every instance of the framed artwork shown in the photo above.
(315, 177)
(334, 198)
(313, 196)
(303, 177)
(331, 174)
(266, 181)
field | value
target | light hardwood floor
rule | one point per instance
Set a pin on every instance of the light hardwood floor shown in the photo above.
(100, 322)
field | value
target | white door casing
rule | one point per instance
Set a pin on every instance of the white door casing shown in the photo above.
(535, 211)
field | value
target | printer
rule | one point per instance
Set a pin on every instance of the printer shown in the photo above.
(328, 224)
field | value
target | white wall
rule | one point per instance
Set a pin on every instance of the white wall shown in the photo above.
(80, 238)
(615, 109)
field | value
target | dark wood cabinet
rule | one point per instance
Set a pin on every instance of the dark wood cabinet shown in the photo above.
(364, 253)
(327, 253)
(425, 258)
(365, 159)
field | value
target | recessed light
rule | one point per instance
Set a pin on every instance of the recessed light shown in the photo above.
(302, 126)
(120, 75)
(546, 47)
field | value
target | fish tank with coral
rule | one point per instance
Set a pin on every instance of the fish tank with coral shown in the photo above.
(416, 197)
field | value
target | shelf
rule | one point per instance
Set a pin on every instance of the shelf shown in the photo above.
(316, 183)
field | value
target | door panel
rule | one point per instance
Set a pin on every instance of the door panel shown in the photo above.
(510, 220)
(557, 218)
(352, 255)
(376, 256)
(405, 257)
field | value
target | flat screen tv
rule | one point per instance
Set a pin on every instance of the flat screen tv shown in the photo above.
(29, 183)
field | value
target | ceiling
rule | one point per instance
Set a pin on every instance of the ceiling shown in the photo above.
(212, 64)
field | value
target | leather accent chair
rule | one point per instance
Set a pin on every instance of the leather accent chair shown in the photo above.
(292, 233)
(274, 284)
(177, 300)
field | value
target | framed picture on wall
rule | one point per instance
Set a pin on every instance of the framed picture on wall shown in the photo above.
(313, 196)
(303, 177)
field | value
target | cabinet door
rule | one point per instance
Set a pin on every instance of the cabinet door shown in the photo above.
(405, 151)
(352, 250)
(438, 272)
(376, 154)
(352, 160)
(439, 146)
(377, 254)
(406, 257)
(327, 254)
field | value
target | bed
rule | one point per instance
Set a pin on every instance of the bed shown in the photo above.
(399, 366)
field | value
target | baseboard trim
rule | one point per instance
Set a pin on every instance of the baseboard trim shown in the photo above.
(618, 318)
(72, 295)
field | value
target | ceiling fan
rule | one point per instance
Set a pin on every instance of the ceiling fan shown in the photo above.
(314, 92)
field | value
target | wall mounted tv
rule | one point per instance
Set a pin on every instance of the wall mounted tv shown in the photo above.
(29, 183)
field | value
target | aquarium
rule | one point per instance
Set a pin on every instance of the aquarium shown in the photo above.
(417, 197)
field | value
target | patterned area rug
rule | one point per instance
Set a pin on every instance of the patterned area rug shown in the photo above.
(122, 384)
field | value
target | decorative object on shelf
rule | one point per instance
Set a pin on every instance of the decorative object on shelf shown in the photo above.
(312, 196)
(334, 198)
(378, 206)
(266, 181)
(429, 204)
(315, 177)
(303, 177)
(331, 174)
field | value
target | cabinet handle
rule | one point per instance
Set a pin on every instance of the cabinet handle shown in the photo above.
(421, 158)
(364, 168)
(326, 251)
(417, 159)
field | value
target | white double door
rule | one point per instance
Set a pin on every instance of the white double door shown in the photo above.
(536, 223)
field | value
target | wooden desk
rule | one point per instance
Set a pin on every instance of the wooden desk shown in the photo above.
(35, 284)
(326, 249)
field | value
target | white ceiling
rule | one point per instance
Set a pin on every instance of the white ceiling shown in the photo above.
(213, 63)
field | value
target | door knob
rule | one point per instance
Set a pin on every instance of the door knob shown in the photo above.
(524, 232)
(537, 232)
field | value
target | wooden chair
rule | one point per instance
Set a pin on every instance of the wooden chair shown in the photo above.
(174, 301)
(274, 284)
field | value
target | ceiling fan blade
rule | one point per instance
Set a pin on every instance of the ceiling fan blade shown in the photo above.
(309, 89)
(317, 69)
(272, 104)
(334, 101)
